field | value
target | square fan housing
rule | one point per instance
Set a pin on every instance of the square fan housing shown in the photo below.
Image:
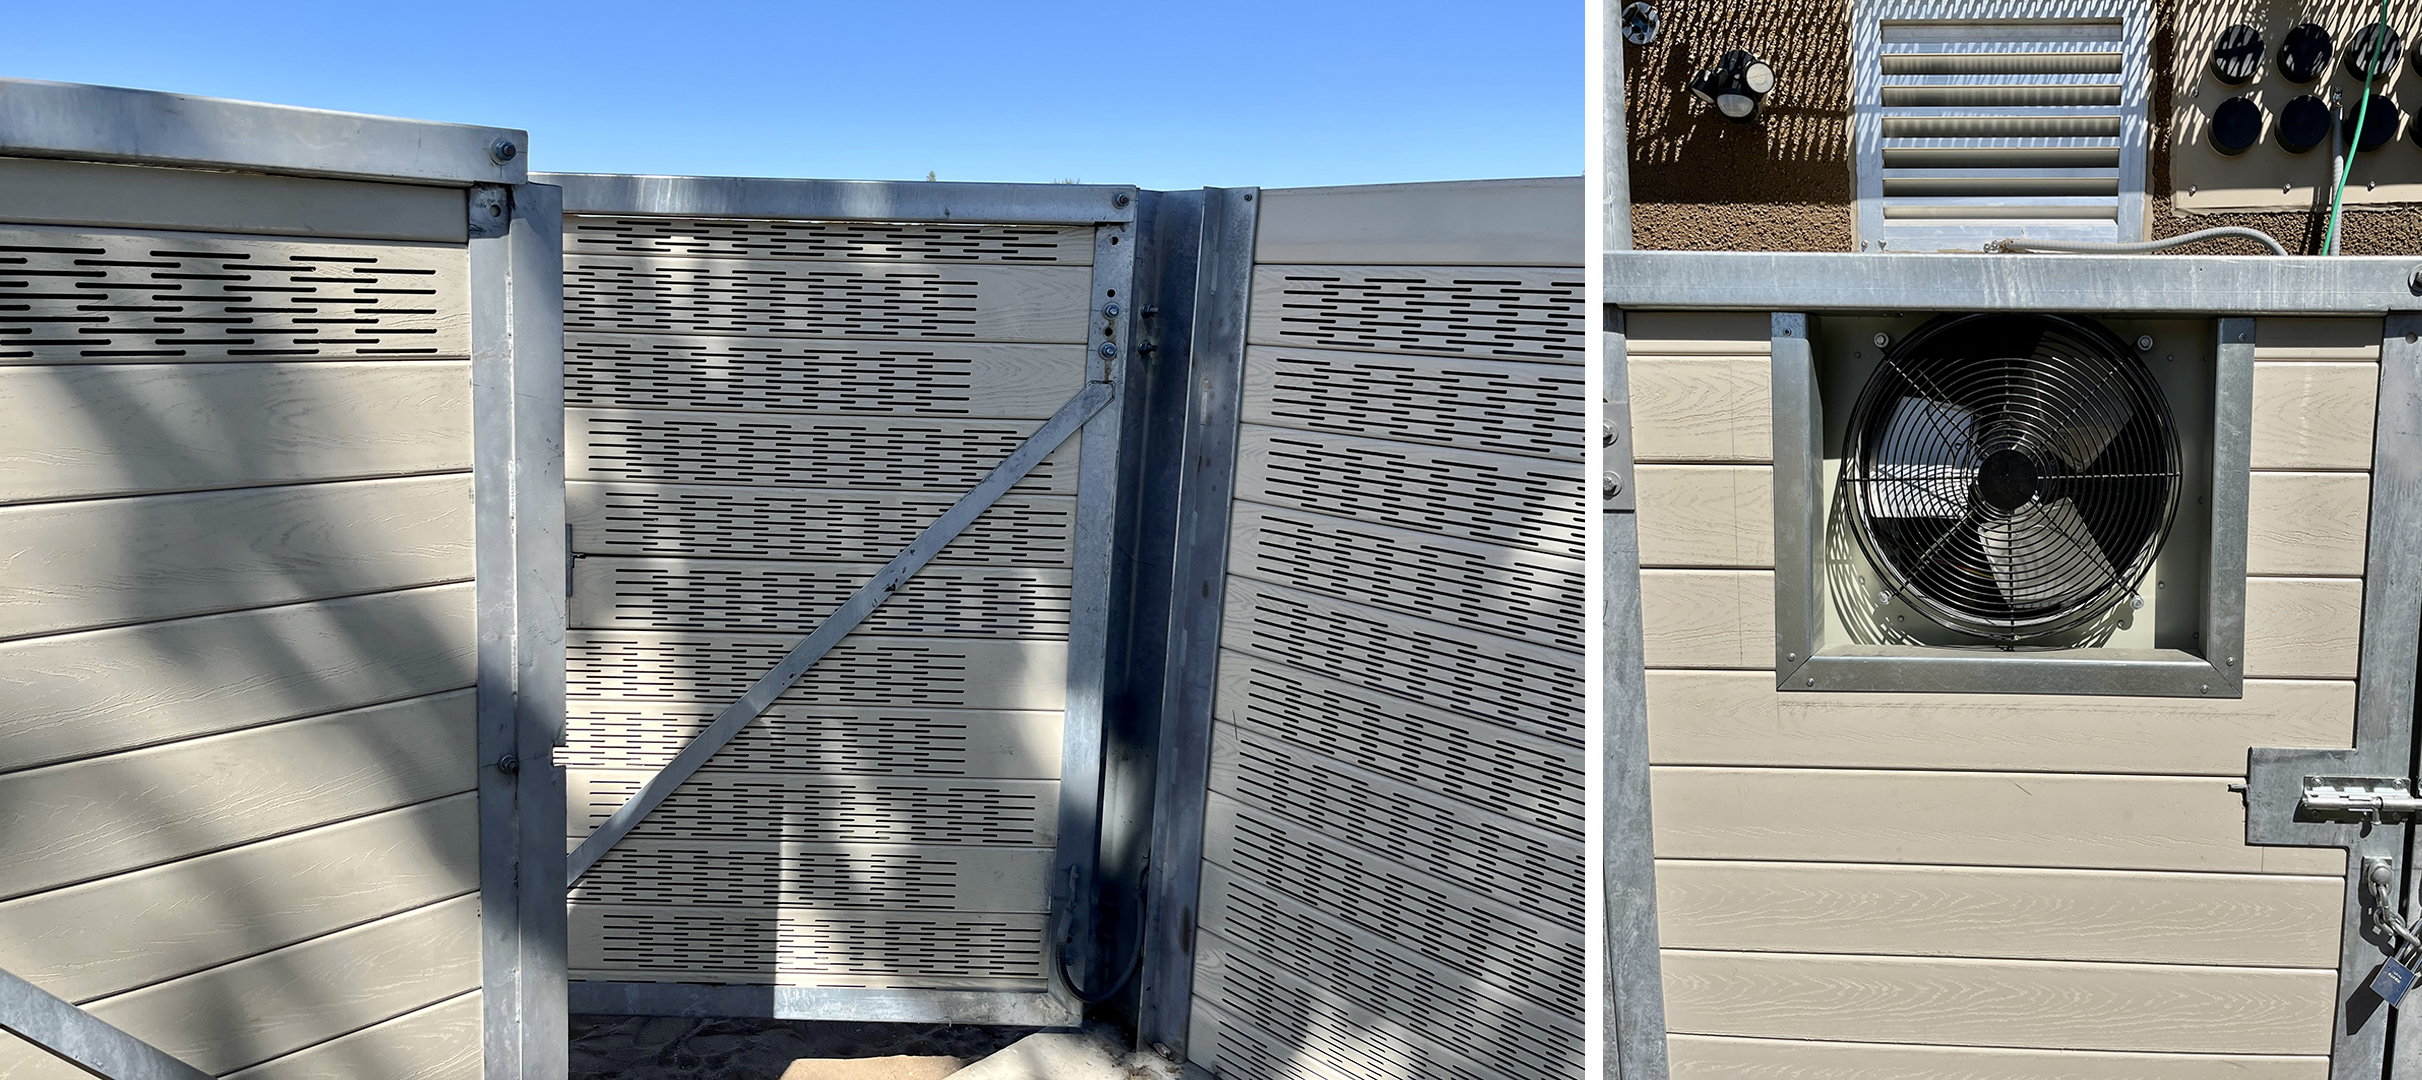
(1841, 627)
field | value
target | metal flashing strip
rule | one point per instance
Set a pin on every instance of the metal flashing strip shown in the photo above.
(520, 553)
(148, 127)
(761, 694)
(1634, 1018)
(1223, 294)
(864, 1004)
(1804, 662)
(2384, 721)
(87, 1041)
(844, 200)
(2167, 285)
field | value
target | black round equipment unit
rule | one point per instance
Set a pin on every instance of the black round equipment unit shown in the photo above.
(2303, 124)
(2379, 124)
(2237, 55)
(2011, 476)
(2236, 125)
(2305, 54)
(2373, 54)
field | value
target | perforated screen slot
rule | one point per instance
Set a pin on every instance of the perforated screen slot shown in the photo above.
(723, 521)
(69, 295)
(1529, 779)
(973, 302)
(1463, 311)
(1491, 498)
(825, 948)
(729, 805)
(712, 670)
(795, 597)
(829, 240)
(1503, 407)
(1482, 587)
(793, 375)
(800, 738)
(842, 876)
(827, 451)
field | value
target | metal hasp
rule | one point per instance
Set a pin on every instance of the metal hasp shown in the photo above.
(2359, 798)
(2371, 799)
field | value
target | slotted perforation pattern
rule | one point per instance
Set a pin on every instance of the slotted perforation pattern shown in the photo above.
(1476, 849)
(813, 299)
(1492, 498)
(798, 738)
(791, 450)
(830, 240)
(1487, 588)
(1479, 405)
(827, 948)
(794, 375)
(1528, 779)
(764, 875)
(1520, 687)
(1313, 951)
(67, 295)
(861, 670)
(1325, 1042)
(795, 597)
(728, 805)
(1497, 311)
(719, 521)
(1440, 924)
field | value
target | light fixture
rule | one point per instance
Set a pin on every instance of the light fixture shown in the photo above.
(1737, 86)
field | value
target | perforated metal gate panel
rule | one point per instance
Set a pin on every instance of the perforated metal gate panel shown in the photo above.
(1391, 882)
(761, 413)
(238, 815)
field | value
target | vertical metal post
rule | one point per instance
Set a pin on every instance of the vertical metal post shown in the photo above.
(516, 261)
(1634, 1024)
(1614, 163)
(1223, 286)
(1074, 878)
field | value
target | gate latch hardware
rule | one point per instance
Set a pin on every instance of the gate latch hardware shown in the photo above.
(2371, 799)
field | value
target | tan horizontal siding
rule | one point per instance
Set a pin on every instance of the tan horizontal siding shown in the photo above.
(1704, 1057)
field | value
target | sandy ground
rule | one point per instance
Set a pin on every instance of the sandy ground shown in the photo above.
(661, 1048)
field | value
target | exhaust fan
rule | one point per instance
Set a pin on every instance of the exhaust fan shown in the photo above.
(2011, 476)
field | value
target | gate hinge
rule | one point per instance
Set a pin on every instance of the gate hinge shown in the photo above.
(2358, 798)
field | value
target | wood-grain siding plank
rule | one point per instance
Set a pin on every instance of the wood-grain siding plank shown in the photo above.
(127, 931)
(2232, 920)
(441, 1042)
(2314, 415)
(82, 820)
(1708, 618)
(2308, 524)
(1965, 819)
(88, 430)
(1739, 718)
(2303, 628)
(1705, 515)
(1710, 1057)
(76, 695)
(109, 562)
(1701, 408)
(2019, 1003)
(278, 1002)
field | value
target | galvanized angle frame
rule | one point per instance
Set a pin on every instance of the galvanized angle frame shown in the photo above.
(2164, 285)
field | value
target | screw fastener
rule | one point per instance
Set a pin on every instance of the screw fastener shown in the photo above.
(1121, 199)
(1109, 351)
(508, 764)
(503, 151)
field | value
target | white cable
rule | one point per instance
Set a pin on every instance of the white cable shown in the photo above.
(2086, 247)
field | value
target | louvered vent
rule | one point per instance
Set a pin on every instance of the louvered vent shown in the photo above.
(1979, 121)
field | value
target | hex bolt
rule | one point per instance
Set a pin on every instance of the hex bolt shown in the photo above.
(2416, 280)
(2144, 343)
(1882, 340)
(1110, 310)
(1120, 200)
(1109, 350)
(503, 151)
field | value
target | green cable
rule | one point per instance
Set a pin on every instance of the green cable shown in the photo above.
(2337, 202)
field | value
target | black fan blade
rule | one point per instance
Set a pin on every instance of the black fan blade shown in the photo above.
(2042, 556)
(1927, 463)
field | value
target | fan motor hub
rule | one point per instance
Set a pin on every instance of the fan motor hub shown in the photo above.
(2007, 479)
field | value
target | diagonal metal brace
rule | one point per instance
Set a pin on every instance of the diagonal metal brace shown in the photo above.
(761, 694)
(82, 1039)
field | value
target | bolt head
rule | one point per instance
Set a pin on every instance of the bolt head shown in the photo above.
(503, 151)
(1120, 200)
(1611, 485)
(1882, 340)
(1812, 680)
(2144, 343)
(1109, 350)
(1110, 310)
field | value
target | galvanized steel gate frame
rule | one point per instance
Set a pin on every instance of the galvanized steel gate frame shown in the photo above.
(515, 257)
(2228, 289)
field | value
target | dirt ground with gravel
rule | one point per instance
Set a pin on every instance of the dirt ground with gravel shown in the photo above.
(668, 1048)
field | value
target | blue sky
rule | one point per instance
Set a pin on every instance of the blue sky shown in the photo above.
(1165, 95)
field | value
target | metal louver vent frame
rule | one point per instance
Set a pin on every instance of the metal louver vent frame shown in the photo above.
(1975, 120)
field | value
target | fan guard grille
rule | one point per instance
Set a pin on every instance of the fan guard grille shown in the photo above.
(2011, 476)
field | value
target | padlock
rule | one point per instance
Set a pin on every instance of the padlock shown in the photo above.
(2393, 980)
